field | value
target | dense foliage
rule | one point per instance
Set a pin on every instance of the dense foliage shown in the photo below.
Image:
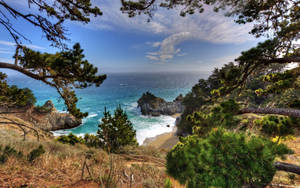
(276, 126)
(224, 159)
(11, 95)
(222, 115)
(70, 139)
(116, 131)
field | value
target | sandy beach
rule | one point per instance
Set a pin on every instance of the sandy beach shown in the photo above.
(163, 141)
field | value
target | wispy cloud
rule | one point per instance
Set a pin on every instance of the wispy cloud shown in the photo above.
(6, 52)
(7, 43)
(168, 48)
(208, 26)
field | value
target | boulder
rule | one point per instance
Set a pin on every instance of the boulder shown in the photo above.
(156, 106)
(49, 119)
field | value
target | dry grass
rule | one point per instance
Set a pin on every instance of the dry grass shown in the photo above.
(61, 165)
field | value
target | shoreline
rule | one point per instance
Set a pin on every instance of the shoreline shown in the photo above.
(164, 141)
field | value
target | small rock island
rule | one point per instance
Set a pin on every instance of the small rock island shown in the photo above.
(156, 106)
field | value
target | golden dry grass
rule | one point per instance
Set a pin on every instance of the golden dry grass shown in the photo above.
(61, 165)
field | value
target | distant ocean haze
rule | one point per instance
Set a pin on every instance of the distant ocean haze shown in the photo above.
(118, 89)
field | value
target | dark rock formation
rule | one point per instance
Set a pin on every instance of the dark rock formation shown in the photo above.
(45, 117)
(156, 106)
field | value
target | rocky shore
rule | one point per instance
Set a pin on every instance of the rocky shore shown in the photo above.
(156, 106)
(44, 117)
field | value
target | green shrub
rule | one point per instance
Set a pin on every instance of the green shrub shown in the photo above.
(70, 139)
(42, 109)
(7, 152)
(272, 125)
(222, 115)
(12, 95)
(224, 159)
(35, 153)
(91, 140)
(116, 131)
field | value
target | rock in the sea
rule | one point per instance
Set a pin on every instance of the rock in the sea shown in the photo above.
(156, 106)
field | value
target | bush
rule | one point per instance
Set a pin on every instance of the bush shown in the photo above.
(7, 152)
(224, 159)
(70, 139)
(35, 153)
(273, 126)
(91, 140)
(116, 131)
(12, 95)
(222, 115)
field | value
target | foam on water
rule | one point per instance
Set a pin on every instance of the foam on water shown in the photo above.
(153, 126)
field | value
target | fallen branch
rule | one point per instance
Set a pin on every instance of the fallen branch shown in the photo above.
(277, 111)
(287, 167)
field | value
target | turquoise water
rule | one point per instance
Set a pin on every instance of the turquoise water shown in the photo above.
(119, 88)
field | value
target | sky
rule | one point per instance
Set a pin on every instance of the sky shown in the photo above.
(169, 43)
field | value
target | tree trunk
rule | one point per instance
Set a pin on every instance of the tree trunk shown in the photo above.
(278, 111)
(287, 167)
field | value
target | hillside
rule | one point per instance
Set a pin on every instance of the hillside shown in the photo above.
(61, 165)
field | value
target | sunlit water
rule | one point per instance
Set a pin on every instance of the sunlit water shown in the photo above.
(123, 89)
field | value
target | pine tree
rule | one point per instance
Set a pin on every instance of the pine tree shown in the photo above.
(116, 131)
(224, 159)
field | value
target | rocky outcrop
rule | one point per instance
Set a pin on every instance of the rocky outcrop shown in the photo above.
(156, 106)
(45, 117)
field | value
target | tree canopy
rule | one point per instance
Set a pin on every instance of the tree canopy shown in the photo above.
(64, 70)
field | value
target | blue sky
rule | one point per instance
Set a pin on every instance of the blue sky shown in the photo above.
(169, 43)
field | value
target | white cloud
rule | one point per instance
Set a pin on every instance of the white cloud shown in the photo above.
(168, 48)
(7, 43)
(6, 52)
(208, 26)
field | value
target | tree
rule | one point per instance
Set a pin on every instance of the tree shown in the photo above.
(63, 70)
(116, 131)
(224, 159)
(11, 95)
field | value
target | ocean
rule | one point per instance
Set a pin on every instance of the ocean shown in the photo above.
(118, 89)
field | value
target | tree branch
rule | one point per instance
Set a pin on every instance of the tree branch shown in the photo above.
(283, 60)
(279, 111)
(287, 167)
(20, 69)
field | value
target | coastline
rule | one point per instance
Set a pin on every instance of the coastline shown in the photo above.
(165, 140)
